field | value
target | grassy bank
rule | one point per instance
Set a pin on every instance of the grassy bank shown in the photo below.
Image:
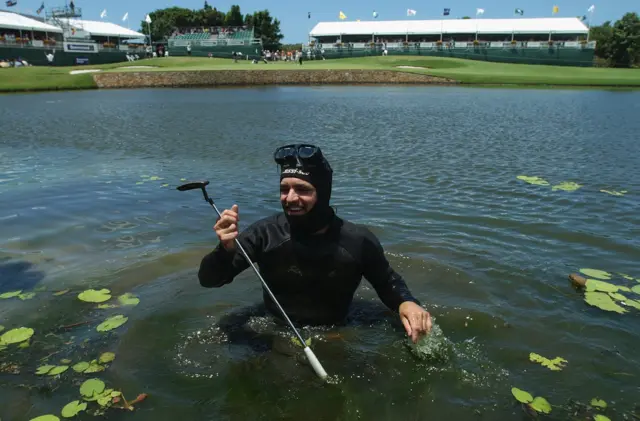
(465, 71)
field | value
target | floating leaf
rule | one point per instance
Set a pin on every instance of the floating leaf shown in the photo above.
(595, 273)
(603, 302)
(27, 295)
(92, 387)
(624, 288)
(14, 336)
(80, 367)
(556, 364)
(59, 293)
(632, 303)
(521, 395)
(115, 393)
(65, 361)
(58, 370)
(44, 369)
(598, 403)
(155, 178)
(566, 186)
(95, 296)
(183, 179)
(627, 277)
(107, 357)
(614, 193)
(94, 367)
(47, 417)
(112, 323)
(165, 185)
(104, 400)
(128, 299)
(139, 182)
(297, 341)
(595, 285)
(636, 289)
(10, 294)
(106, 306)
(599, 417)
(144, 176)
(617, 296)
(73, 408)
(533, 180)
(541, 405)
(24, 344)
(1, 328)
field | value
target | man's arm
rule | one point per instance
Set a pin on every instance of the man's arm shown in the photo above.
(219, 267)
(389, 285)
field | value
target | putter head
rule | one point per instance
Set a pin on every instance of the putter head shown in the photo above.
(193, 185)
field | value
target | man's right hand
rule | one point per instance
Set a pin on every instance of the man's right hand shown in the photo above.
(227, 228)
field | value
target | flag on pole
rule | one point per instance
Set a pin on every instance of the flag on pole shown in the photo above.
(447, 12)
(357, 20)
(583, 18)
(519, 12)
(411, 12)
(592, 8)
(103, 14)
(125, 17)
(375, 14)
(556, 9)
(147, 19)
(479, 12)
(308, 15)
(342, 15)
(40, 9)
(11, 3)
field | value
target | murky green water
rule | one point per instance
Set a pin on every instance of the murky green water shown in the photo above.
(431, 170)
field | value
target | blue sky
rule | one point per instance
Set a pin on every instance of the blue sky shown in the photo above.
(295, 25)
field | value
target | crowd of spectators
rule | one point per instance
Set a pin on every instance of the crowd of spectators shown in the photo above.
(213, 30)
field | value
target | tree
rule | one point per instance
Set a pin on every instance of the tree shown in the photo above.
(206, 6)
(619, 44)
(234, 17)
(602, 36)
(266, 28)
(466, 17)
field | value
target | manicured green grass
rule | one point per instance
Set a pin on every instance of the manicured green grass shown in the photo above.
(465, 71)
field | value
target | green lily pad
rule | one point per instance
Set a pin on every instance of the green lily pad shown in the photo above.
(58, 370)
(139, 182)
(27, 295)
(296, 341)
(632, 303)
(80, 367)
(627, 277)
(603, 302)
(95, 296)
(10, 294)
(617, 296)
(183, 179)
(541, 405)
(92, 387)
(636, 289)
(24, 344)
(165, 185)
(598, 403)
(521, 395)
(602, 286)
(94, 367)
(104, 400)
(115, 393)
(59, 293)
(144, 176)
(65, 361)
(47, 417)
(155, 178)
(14, 336)
(1, 328)
(600, 417)
(566, 186)
(106, 306)
(623, 288)
(107, 357)
(44, 369)
(556, 364)
(112, 323)
(129, 299)
(73, 408)
(595, 273)
(533, 180)
(614, 193)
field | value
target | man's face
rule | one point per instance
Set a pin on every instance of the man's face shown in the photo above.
(297, 196)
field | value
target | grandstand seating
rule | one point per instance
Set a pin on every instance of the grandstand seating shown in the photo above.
(193, 37)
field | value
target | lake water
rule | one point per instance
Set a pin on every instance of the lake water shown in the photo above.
(88, 200)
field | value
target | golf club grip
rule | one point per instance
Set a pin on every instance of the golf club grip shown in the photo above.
(315, 363)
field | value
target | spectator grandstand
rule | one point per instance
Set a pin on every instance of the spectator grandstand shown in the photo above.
(559, 41)
(215, 41)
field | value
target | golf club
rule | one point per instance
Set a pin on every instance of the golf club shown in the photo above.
(315, 363)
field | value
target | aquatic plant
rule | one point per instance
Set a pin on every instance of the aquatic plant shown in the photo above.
(538, 404)
(112, 323)
(566, 186)
(556, 364)
(533, 180)
(95, 296)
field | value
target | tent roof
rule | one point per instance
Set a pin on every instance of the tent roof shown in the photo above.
(11, 20)
(104, 29)
(452, 26)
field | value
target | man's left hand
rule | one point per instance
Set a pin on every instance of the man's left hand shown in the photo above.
(415, 319)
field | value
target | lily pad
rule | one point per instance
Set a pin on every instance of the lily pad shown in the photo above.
(106, 306)
(129, 299)
(139, 182)
(521, 395)
(94, 367)
(183, 179)
(73, 408)
(14, 336)
(600, 417)
(27, 295)
(1, 328)
(617, 296)
(47, 417)
(632, 303)
(80, 367)
(92, 387)
(556, 364)
(566, 186)
(595, 273)
(296, 341)
(10, 294)
(59, 293)
(636, 289)
(44, 369)
(541, 405)
(614, 193)
(603, 302)
(104, 400)
(602, 286)
(58, 370)
(107, 357)
(24, 344)
(95, 296)
(155, 178)
(627, 277)
(598, 403)
(533, 180)
(65, 361)
(112, 323)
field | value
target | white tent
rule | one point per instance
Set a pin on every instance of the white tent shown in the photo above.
(18, 22)
(104, 29)
(452, 26)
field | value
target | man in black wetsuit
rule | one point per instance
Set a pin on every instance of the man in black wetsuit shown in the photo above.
(312, 260)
